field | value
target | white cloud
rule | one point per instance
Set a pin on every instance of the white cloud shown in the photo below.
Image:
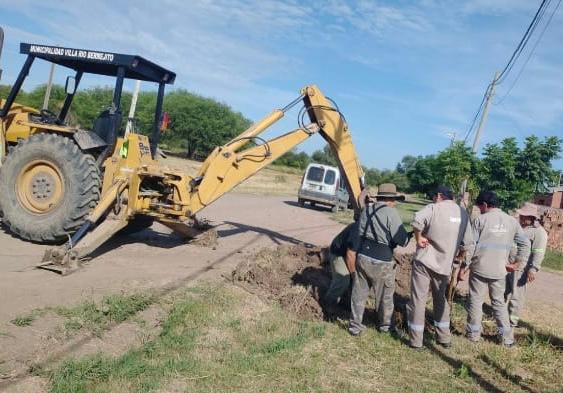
(438, 55)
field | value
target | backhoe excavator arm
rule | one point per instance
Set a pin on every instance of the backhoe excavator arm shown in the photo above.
(136, 185)
(230, 164)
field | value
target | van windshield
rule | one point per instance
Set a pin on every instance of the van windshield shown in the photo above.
(315, 174)
(330, 176)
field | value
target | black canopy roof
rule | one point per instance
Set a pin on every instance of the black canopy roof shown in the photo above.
(102, 63)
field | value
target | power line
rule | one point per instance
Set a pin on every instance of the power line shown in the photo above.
(522, 44)
(529, 55)
(470, 129)
(510, 64)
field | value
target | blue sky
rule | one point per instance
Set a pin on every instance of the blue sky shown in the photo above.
(405, 73)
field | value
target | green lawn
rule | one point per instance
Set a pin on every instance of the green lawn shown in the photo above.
(553, 260)
(406, 210)
(219, 339)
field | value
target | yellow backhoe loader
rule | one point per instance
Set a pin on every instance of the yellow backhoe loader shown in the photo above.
(134, 185)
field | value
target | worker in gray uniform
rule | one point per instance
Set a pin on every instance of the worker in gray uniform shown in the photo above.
(340, 275)
(441, 229)
(517, 281)
(379, 231)
(495, 232)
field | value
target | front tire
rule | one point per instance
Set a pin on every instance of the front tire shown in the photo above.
(47, 188)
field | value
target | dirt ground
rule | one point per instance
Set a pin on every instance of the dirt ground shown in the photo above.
(155, 259)
(152, 259)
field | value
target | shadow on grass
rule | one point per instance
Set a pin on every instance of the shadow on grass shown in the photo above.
(505, 374)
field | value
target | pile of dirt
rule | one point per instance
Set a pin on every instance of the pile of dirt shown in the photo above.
(292, 275)
(208, 236)
(403, 258)
(297, 277)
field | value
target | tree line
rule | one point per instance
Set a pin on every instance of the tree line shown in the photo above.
(199, 124)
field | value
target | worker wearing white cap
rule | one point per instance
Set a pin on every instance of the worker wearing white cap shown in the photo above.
(517, 281)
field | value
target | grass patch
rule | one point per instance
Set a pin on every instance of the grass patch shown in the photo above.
(23, 320)
(553, 260)
(27, 319)
(406, 210)
(213, 341)
(96, 317)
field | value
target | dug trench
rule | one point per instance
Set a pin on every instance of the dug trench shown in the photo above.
(297, 276)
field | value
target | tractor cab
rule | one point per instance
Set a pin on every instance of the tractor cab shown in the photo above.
(106, 127)
(50, 172)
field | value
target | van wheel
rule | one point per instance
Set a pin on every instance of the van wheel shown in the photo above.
(313, 204)
(301, 202)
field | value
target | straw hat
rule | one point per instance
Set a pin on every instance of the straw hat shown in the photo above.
(529, 210)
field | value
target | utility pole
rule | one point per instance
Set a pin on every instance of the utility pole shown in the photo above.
(1, 45)
(452, 136)
(132, 108)
(48, 88)
(489, 97)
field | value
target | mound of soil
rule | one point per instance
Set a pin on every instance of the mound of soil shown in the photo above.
(297, 277)
(293, 276)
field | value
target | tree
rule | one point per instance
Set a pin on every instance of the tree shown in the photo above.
(534, 161)
(455, 164)
(375, 177)
(294, 159)
(499, 173)
(324, 156)
(406, 164)
(197, 124)
(200, 124)
(516, 174)
(422, 175)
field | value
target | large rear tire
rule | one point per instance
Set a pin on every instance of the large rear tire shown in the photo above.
(47, 188)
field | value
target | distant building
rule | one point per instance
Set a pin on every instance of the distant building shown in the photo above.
(551, 210)
(553, 198)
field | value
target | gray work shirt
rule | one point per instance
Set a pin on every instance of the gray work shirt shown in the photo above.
(442, 223)
(495, 233)
(538, 244)
(379, 230)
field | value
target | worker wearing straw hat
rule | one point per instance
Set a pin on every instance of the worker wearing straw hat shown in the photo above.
(518, 280)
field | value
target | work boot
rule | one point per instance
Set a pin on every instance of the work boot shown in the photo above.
(473, 339)
(355, 331)
(445, 345)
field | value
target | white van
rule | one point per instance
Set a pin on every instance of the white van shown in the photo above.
(324, 185)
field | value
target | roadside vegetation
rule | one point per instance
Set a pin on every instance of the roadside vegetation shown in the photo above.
(225, 339)
(96, 317)
(91, 316)
(514, 169)
(406, 209)
(553, 260)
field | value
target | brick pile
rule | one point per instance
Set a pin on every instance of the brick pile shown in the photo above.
(552, 220)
